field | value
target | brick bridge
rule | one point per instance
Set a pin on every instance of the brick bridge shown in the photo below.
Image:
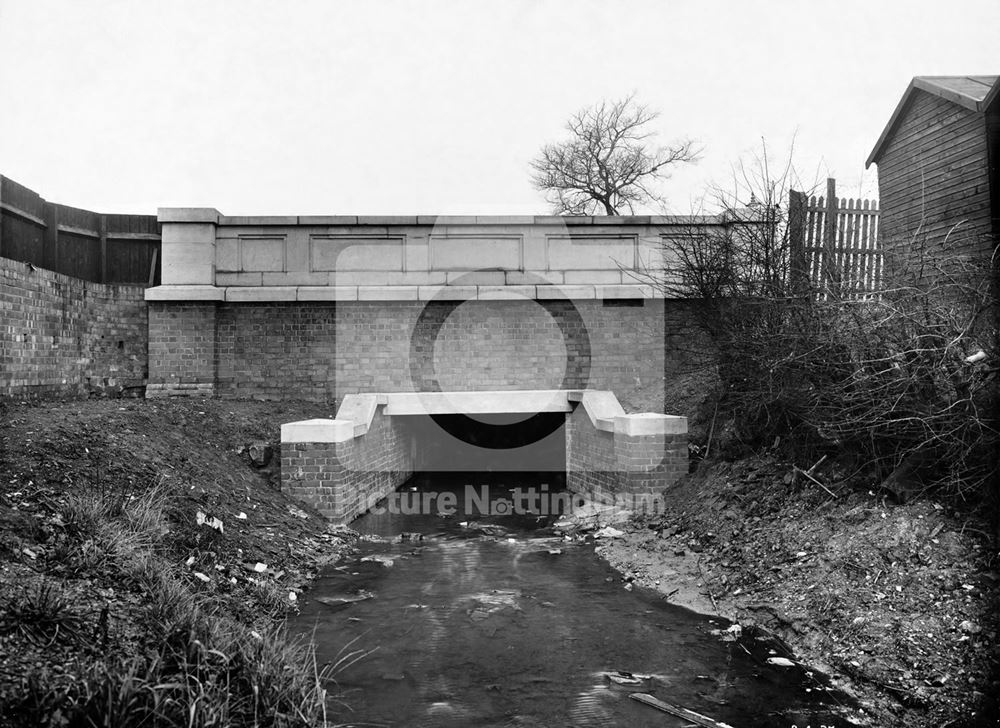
(400, 318)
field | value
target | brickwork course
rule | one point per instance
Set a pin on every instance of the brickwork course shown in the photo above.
(323, 351)
(65, 337)
(344, 479)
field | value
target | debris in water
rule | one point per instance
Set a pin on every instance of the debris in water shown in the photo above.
(343, 601)
(381, 560)
(730, 634)
(623, 677)
(688, 715)
(780, 662)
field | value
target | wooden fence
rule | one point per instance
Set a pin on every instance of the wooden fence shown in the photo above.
(834, 244)
(75, 242)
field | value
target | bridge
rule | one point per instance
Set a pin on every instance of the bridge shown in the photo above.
(402, 318)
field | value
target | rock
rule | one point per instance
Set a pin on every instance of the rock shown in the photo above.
(970, 627)
(260, 453)
(608, 532)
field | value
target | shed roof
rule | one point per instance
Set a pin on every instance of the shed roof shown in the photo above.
(975, 93)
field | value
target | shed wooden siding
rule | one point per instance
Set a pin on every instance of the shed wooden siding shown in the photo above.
(932, 174)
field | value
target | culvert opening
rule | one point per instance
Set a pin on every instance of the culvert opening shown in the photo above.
(505, 468)
(489, 443)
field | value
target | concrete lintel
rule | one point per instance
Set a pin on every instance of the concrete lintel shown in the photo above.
(184, 293)
(624, 291)
(387, 293)
(573, 293)
(318, 430)
(261, 294)
(447, 293)
(327, 293)
(188, 214)
(650, 423)
(430, 403)
(505, 293)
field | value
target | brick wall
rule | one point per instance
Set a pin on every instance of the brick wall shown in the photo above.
(182, 349)
(605, 466)
(61, 336)
(343, 480)
(322, 351)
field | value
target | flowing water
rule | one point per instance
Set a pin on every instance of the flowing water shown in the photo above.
(499, 621)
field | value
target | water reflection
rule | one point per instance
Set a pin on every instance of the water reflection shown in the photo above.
(497, 621)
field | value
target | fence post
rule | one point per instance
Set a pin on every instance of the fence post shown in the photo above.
(798, 274)
(102, 231)
(831, 273)
(50, 252)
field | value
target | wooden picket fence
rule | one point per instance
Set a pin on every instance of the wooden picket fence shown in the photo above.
(834, 244)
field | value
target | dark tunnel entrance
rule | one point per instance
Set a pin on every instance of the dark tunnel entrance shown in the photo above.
(489, 443)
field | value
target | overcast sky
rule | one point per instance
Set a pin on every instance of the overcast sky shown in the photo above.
(438, 107)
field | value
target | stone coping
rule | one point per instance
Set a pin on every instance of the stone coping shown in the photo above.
(260, 294)
(211, 215)
(357, 411)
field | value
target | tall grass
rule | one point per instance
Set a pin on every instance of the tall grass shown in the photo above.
(197, 666)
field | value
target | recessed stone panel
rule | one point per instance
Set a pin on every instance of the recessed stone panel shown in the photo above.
(467, 253)
(575, 252)
(356, 253)
(262, 253)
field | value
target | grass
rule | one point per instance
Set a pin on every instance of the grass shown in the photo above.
(198, 667)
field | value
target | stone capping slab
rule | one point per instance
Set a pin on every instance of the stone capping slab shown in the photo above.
(247, 294)
(650, 423)
(185, 293)
(360, 409)
(188, 214)
(357, 411)
(318, 430)
(602, 407)
(488, 402)
(260, 294)
(210, 214)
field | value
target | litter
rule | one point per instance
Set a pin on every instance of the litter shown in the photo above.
(780, 662)
(622, 677)
(688, 715)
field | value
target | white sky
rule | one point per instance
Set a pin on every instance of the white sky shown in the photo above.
(437, 107)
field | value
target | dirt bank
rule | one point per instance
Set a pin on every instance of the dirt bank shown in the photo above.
(125, 523)
(897, 602)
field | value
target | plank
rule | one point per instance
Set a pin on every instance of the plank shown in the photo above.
(688, 715)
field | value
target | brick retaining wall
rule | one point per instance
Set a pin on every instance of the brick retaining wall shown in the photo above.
(326, 350)
(62, 336)
(344, 479)
(605, 465)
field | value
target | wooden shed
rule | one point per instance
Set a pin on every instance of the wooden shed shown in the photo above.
(939, 169)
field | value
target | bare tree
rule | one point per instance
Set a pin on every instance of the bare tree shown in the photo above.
(609, 164)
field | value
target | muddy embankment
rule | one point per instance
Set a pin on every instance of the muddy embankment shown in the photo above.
(146, 542)
(897, 602)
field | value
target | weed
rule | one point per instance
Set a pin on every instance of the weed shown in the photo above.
(42, 616)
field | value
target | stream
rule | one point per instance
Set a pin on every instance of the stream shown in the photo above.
(500, 620)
